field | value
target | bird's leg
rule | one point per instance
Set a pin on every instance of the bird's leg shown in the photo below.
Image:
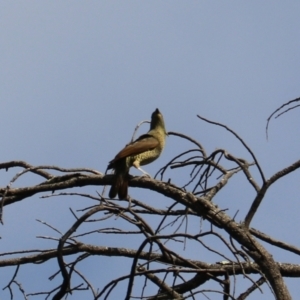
(144, 172)
(129, 202)
(137, 166)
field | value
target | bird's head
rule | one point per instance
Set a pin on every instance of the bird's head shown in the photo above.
(157, 121)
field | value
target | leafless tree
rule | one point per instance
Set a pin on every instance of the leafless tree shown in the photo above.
(159, 263)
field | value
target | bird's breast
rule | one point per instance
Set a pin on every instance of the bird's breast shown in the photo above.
(146, 157)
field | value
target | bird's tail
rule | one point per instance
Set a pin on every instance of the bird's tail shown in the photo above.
(119, 186)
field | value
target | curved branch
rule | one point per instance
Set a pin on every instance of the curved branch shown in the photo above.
(189, 139)
(241, 140)
(278, 109)
(261, 194)
(66, 276)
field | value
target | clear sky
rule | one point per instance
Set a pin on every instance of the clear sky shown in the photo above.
(77, 76)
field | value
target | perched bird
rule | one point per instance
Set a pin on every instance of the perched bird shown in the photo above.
(142, 151)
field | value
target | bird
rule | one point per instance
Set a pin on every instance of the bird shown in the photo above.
(144, 150)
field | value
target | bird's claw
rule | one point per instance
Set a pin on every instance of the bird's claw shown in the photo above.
(147, 175)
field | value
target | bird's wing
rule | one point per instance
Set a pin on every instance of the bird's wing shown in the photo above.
(144, 143)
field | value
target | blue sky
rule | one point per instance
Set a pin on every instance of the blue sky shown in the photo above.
(77, 76)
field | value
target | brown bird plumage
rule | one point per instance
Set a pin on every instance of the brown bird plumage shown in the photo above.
(142, 151)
